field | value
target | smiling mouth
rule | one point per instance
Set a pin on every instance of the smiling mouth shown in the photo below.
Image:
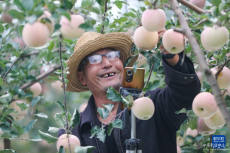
(108, 75)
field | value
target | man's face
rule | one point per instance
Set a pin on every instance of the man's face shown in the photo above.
(98, 77)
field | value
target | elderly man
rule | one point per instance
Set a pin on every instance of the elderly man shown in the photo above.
(97, 63)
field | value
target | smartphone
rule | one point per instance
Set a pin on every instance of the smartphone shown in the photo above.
(133, 80)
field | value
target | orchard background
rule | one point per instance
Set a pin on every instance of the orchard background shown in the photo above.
(26, 71)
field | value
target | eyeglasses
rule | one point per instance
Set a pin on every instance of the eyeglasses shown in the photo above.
(96, 59)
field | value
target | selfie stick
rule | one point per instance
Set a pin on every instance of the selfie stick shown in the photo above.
(133, 145)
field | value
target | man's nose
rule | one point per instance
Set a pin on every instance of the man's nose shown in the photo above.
(105, 62)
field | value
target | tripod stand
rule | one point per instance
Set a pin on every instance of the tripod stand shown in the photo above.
(133, 145)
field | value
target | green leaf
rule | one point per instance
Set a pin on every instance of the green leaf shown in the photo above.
(3, 66)
(101, 135)
(16, 14)
(35, 101)
(19, 129)
(67, 15)
(152, 85)
(120, 20)
(60, 104)
(6, 135)
(28, 4)
(22, 106)
(75, 120)
(99, 2)
(7, 112)
(68, 5)
(110, 129)
(113, 95)
(1, 28)
(119, 3)
(117, 124)
(80, 149)
(19, 5)
(86, 27)
(5, 126)
(1, 80)
(49, 55)
(59, 119)
(103, 112)
(53, 129)
(94, 131)
(51, 45)
(7, 151)
(183, 110)
(42, 115)
(61, 149)
(216, 2)
(30, 125)
(47, 137)
(109, 107)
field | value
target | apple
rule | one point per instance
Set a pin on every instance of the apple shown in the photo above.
(6, 18)
(223, 79)
(173, 41)
(82, 107)
(191, 132)
(144, 39)
(227, 92)
(35, 35)
(142, 60)
(203, 129)
(216, 121)
(204, 105)
(57, 86)
(130, 32)
(21, 113)
(63, 141)
(36, 89)
(19, 41)
(180, 141)
(50, 25)
(153, 20)
(178, 149)
(143, 108)
(70, 29)
(213, 38)
(198, 3)
(200, 76)
(228, 55)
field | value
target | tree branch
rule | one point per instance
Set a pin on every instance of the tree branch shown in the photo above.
(193, 7)
(221, 68)
(40, 77)
(103, 19)
(202, 62)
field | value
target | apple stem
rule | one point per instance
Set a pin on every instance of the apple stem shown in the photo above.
(220, 68)
(154, 4)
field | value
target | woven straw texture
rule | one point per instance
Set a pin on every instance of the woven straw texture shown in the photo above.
(90, 42)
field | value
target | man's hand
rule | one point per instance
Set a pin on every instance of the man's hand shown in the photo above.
(173, 61)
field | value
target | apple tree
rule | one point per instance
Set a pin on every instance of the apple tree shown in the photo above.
(37, 38)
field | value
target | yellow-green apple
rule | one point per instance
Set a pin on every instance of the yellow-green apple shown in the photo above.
(36, 89)
(144, 39)
(204, 105)
(198, 3)
(178, 149)
(173, 41)
(216, 121)
(82, 107)
(200, 76)
(191, 132)
(153, 20)
(203, 129)
(50, 24)
(143, 108)
(213, 38)
(70, 29)
(180, 141)
(35, 35)
(223, 79)
(64, 140)
(20, 113)
(141, 60)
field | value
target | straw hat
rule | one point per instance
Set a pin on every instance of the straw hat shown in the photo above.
(88, 43)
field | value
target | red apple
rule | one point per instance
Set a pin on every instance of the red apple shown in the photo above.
(21, 113)
(223, 79)
(36, 89)
(203, 129)
(63, 141)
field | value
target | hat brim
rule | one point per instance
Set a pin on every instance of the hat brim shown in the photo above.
(119, 41)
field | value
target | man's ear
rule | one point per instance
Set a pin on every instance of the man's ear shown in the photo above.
(81, 77)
